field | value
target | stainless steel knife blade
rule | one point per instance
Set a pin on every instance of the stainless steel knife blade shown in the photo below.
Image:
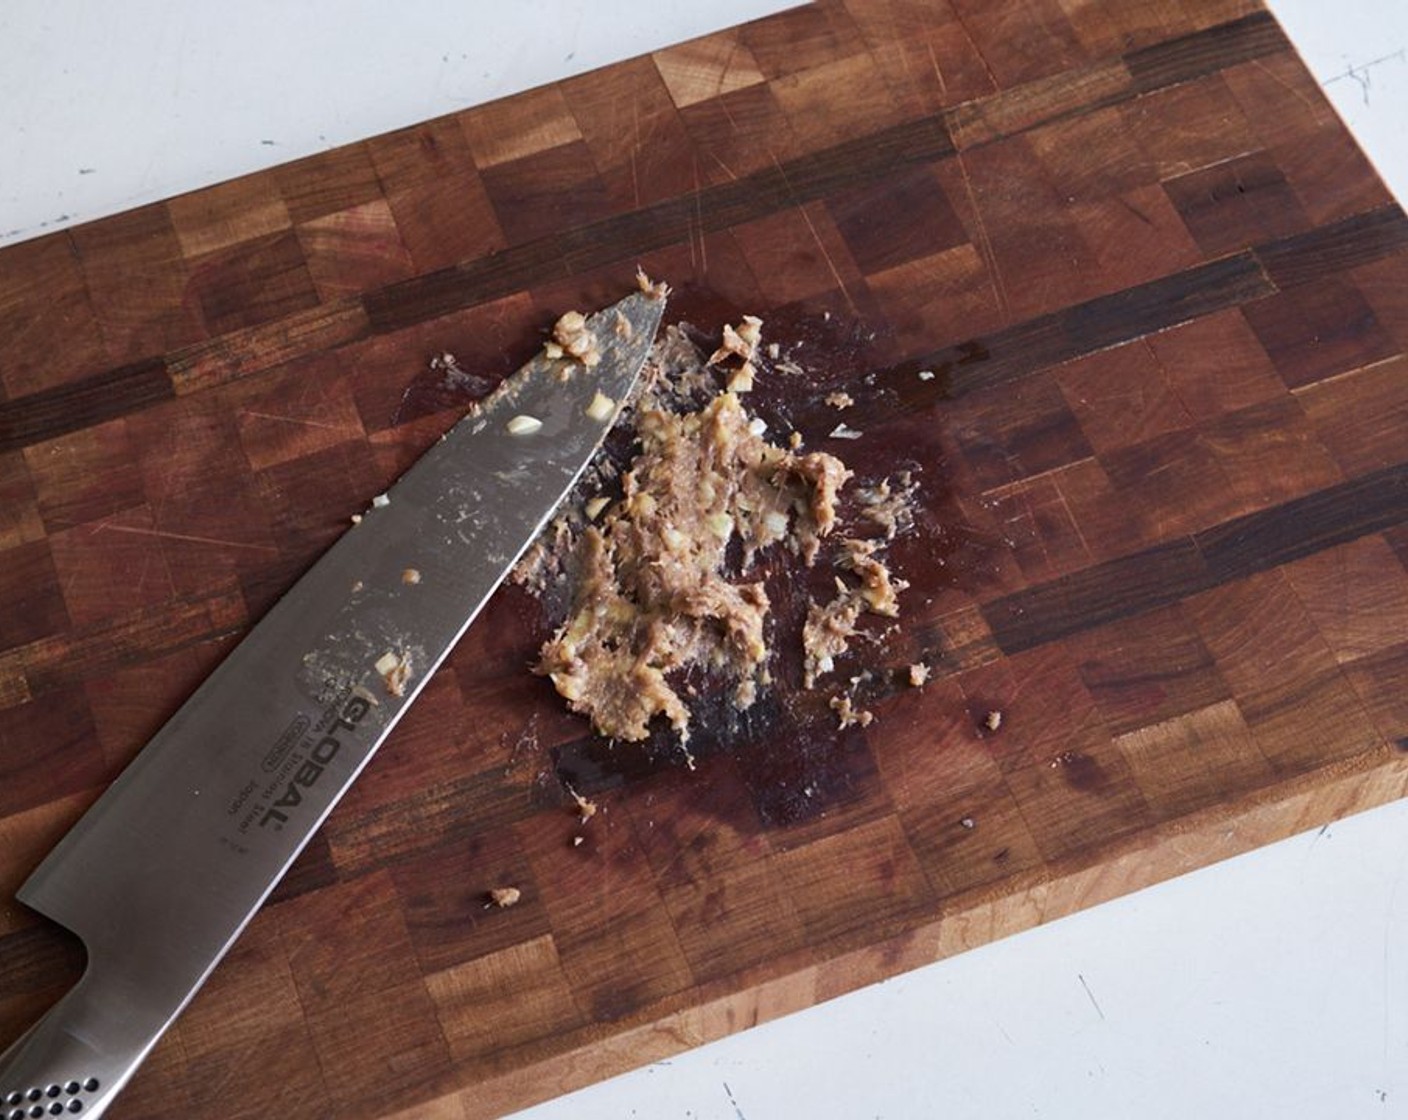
(160, 876)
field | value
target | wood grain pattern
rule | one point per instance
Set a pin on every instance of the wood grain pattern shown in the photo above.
(1158, 297)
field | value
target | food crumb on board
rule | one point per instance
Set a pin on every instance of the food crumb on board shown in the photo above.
(410, 576)
(839, 399)
(848, 715)
(504, 897)
(993, 720)
(890, 503)
(585, 808)
(830, 627)
(918, 674)
(740, 342)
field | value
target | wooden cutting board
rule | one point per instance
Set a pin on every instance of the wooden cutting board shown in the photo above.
(1163, 469)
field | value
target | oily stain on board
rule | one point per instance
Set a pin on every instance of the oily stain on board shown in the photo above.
(794, 758)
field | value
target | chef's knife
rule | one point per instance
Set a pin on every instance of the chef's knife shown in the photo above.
(159, 877)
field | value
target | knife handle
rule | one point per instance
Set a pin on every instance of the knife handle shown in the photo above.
(73, 1061)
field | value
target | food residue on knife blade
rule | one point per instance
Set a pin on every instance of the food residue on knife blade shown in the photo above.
(572, 338)
(395, 670)
(524, 425)
(601, 406)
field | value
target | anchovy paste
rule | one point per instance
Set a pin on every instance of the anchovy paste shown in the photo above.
(661, 561)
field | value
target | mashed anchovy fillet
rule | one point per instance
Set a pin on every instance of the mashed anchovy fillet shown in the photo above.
(653, 594)
(829, 628)
(663, 578)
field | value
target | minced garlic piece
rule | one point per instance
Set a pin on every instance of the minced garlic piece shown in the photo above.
(524, 425)
(601, 406)
(742, 380)
(839, 400)
(919, 674)
(395, 671)
(504, 897)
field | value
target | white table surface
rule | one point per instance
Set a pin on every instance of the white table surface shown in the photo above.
(1272, 985)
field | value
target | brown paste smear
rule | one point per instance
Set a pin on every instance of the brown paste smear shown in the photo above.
(664, 579)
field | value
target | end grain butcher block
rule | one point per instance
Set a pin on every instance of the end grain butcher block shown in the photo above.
(1165, 300)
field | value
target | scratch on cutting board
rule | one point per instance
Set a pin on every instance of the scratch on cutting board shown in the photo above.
(939, 74)
(137, 530)
(811, 228)
(1316, 110)
(977, 50)
(635, 144)
(738, 1112)
(999, 289)
(297, 420)
(702, 265)
(727, 169)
